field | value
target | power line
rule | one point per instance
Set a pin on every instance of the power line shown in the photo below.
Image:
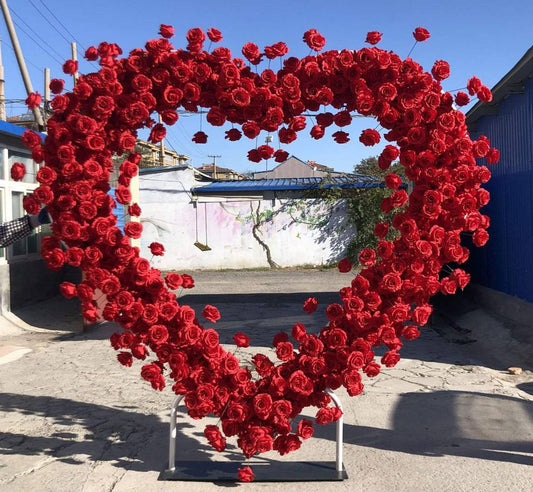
(59, 22)
(25, 58)
(46, 19)
(60, 61)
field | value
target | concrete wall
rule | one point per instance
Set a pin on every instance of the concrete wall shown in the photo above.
(296, 231)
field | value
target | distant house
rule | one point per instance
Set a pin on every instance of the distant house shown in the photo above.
(296, 168)
(222, 173)
(157, 155)
(504, 267)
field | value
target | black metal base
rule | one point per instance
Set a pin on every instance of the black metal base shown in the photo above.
(279, 471)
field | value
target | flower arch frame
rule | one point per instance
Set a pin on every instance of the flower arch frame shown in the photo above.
(386, 302)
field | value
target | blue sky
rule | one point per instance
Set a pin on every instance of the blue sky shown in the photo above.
(477, 38)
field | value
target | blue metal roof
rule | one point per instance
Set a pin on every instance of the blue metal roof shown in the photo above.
(11, 129)
(278, 184)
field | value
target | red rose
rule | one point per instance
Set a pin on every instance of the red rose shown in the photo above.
(276, 50)
(70, 67)
(484, 94)
(285, 351)
(233, 135)
(310, 305)
(157, 249)
(440, 70)
(367, 257)
(166, 31)
(369, 137)
(341, 137)
(300, 383)
(134, 210)
(125, 359)
(373, 37)
(305, 429)
(157, 133)
(152, 374)
(493, 156)
(317, 132)
(241, 340)
(199, 138)
(211, 313)
(393, 181)
(281, 155)
(33, 100)
(133, 229)
(461, 98)
(421, 34)
(18, 171)
(251, 53)
(391, 358)
(345, 265)
(214, 35)
(215, 437)
(314, 39)
(68, 290)
(187, 281)
(173, 280)
(245, 474)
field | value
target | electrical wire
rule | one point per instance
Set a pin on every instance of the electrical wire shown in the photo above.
(60, 61)
(25, 58)
(59, 22)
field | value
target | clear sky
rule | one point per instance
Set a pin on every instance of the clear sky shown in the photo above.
(485, 39)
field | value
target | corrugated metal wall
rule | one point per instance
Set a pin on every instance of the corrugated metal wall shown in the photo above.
(505, 263)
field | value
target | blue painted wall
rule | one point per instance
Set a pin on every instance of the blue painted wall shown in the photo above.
(505, 263)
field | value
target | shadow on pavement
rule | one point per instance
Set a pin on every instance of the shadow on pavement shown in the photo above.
(453, 423)
(130, 439)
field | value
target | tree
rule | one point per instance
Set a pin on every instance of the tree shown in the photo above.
(364, 205)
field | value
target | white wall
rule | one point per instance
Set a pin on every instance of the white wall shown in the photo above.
(297, 231)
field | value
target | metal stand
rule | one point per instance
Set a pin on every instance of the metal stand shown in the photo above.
(283, 471)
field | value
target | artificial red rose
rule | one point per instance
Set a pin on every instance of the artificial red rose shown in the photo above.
(276, 50)
(440, 70)
(199, 138)
(173, 280)
(314, 39)
(317, 132)
(241, 340)
(211, 313)
(125, 358)
(280, 155)
(157, 134)
(484, 94)
(166, 31)
(70, 67)
(326, 415)
(461, 98)
(391, 358)
(367, 257)
(18, 171)
(492, 156)
(68, 290)
(134, 210)
(373, 37)
(158, 334)
(233, 135)
(133, 229)
(187, 281)
(345, 265)
(310, 305)
(341, 137)
(421, 34)
(214, 35)
(305, 429)
(369, 137)
(480, 237)
(245, 474)
(157, 249)
(393, 181)
(334, 311)
(285, 351)
(300, 383)
(215, 437)
(252, 53)
(152, 374)
(33, 100)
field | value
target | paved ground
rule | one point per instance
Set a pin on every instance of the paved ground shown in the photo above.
(449, 417)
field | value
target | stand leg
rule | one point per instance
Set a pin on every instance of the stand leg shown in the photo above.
(340, 422)
(172, 441)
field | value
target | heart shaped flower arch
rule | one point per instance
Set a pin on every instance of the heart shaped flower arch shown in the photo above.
(387, 301)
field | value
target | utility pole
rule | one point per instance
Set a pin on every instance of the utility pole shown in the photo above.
(20, 60)
(214, 164)
(161, 147)
(75, 58)
(46, 92)
(2, 88)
